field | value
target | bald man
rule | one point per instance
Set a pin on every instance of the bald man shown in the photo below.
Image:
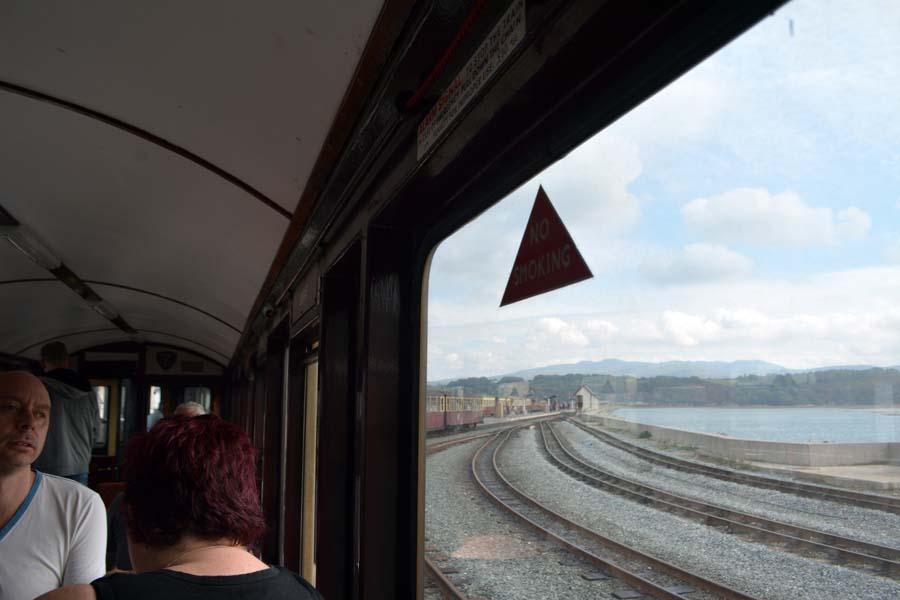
(189, 409)
(52, 530)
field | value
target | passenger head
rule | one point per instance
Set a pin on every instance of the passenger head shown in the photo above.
(54, 355)
(191, 477)
(24, 418)
(189, 409)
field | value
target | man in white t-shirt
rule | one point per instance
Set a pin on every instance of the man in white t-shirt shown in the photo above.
(52, 530)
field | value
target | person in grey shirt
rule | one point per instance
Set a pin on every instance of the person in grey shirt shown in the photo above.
(74, 421)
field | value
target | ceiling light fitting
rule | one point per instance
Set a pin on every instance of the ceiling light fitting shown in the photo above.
(28, 243)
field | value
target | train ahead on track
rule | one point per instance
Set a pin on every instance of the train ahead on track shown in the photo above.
(450, 413)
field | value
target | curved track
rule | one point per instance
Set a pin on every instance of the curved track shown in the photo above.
(661, 579)
(819, 492)
(448, 590)
(433, 570)
(806, 542)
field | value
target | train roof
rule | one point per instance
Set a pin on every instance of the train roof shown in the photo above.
(154, 155)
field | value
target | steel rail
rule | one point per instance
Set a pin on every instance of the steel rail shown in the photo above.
(883, 503)
(492, 483)
(434, 448)
(494, 427)
(799, 540)
(447, 586)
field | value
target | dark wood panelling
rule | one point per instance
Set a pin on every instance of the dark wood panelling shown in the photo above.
(390, 417)
(293, 480)
(336, 516)
(271, 474)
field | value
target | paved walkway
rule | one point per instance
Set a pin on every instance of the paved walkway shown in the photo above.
(863, 477)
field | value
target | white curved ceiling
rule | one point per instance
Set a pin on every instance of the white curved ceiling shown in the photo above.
(179, 250)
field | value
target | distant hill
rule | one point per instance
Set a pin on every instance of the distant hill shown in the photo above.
(842, 368)
(674, 368)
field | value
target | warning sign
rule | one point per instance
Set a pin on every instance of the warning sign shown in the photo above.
(547, 258)
(499, 44)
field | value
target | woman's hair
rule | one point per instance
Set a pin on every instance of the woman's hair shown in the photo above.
(192, 476)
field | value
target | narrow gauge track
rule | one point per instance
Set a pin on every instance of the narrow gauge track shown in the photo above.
(584, 543)
(808, 490)
(806, 542)
(437, 446)
(432, 448)
(447, 587)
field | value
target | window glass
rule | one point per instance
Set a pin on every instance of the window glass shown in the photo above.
(101, 392)
(199, 394)
(743, 231)
(127, 401)
(155, 412)
(123, 402)
(310, 453)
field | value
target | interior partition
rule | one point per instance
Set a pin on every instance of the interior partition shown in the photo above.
(336, 520)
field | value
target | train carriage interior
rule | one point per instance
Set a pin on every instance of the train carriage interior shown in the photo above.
(303, 216)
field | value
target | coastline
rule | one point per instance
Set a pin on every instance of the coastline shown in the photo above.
(870, 408)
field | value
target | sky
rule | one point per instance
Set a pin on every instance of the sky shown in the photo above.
(750, 210)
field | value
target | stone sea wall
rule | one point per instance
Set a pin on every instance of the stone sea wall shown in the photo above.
(784, 453)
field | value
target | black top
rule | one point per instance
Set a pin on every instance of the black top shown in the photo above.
(274, 583)
(116, 542)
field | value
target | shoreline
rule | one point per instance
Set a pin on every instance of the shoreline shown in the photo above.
(872, 408)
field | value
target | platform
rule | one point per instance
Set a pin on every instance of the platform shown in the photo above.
(878, 478)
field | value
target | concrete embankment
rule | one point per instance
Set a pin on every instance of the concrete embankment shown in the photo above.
(761, 451)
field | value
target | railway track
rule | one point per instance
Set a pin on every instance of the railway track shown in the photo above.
(642, 572)
(449, 591)
(807, 542)
(808, 490)
(432, 448)
(437, 446)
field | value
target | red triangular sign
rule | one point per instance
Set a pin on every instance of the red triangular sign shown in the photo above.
(548, 258)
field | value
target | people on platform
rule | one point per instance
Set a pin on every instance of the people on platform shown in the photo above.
(74, 420)
(192, 508)
(52, 530)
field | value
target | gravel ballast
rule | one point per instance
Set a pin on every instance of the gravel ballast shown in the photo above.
(749, 567)
(496, 557)
(873, 526)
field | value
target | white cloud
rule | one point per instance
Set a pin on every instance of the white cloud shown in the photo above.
(755, 216)
(590, 185)
(689, 330)
(892, 252)
(853, 223)
(454, 361)
(699, 98)
(696, 263)
(563, 332)
(601, 328)
(842, 317)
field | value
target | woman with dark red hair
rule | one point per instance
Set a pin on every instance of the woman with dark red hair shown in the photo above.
(192, 509)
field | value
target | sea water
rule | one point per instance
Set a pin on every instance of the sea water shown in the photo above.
(880, 424)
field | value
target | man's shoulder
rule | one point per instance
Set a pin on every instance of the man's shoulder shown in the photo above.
(66, 491)
(66, 381)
